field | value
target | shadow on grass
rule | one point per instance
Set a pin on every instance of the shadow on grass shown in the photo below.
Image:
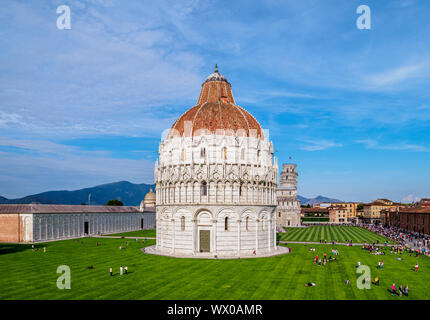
(13, 248)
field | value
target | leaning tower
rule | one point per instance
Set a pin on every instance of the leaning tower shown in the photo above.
(288, 210)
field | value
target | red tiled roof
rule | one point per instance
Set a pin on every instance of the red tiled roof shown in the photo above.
(56, 208)
(314, 210)
(377, 203)
(415, 210)
(216, 111)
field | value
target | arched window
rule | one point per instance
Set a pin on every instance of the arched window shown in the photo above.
(242, 156)
(183, 155)
(204, 188)
(224, 153)
(240, 189)
(247, 223)
(203, 152)
(226, 224)
(258, 155)
(182, 223)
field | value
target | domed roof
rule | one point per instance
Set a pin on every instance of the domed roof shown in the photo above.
(216, 76)
(149, 197)
(216, 112)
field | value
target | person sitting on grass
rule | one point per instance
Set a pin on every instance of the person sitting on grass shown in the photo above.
(310, 284)
(347, 281)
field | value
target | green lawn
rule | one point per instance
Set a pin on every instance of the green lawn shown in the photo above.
(138, 233)
(330, 233)
(32, 275)
(315, 219)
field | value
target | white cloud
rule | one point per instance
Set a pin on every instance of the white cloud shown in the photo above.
(397, 75)
(104, 76)
(402, 146)
(317, 145)
(410, 198)
(51, 166)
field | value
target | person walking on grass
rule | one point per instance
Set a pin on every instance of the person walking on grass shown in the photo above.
(110, 271)
(406, 290)
(416, 267)
(400, 290)
(358, 264)
(126, 270)
(120, 271)
(393, 289)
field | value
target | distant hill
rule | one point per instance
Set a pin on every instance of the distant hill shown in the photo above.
(129, 193)
(316, 200)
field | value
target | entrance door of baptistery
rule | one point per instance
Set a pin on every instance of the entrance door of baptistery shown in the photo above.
(205, 240)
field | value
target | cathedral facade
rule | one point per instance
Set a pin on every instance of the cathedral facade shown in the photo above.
(288, 210)
(216, 180)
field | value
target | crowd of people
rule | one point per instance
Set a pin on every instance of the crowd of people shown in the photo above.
(122, 270)
(415, 241)
(324, 259)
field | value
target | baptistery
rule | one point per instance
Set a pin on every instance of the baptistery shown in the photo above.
(216, 180)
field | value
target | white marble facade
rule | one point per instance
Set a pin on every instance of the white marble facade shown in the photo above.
(216, 190)
(61, 226)
(55, 226)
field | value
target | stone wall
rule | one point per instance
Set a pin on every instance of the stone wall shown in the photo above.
(10, 227)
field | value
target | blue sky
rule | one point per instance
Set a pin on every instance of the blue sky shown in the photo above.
(87, 106)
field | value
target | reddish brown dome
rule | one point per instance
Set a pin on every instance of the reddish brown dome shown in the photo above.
(216, 112)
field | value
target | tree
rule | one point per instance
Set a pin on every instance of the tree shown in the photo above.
(360, 206)
(114, 202)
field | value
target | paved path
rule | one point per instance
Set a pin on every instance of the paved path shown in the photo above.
(120, 237)
(339, 243)
(279, 250)
(283, 241)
